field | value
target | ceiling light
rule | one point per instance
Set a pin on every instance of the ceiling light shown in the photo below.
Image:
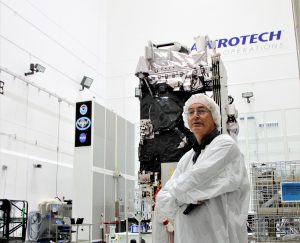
(86, 82)
(247, 95)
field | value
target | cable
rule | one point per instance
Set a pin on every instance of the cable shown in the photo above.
(25, 146)
(4, 187)
(57, 151)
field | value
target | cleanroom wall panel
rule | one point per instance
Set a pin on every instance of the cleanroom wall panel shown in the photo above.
(99, 116)
(110, 155)
(276, 150)
(99, 135)
(121, 143)
(110, 140)
(67, 128)
(13, 107)
(267, 150)
(36, 124)
(82, 181)
(260, 128)
(129, 197)
(292, 118)
(112, 127)
(109, 198)
(251, 127)
(294, 148)
(13, 180)
(257, 152)
(122, 191)
(242, 127)
(98, 202)
(99, 151)
(130, 152)
(42, 123)
(270, 136)
(30, 119)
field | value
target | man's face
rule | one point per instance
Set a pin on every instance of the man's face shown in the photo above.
(200, 120)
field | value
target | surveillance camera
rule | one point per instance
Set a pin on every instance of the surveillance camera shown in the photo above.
(35, 68)
(39, 68)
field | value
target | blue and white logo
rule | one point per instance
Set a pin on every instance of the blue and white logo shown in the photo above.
(82, 137)
(83, 123)
(83, 109)
(243, 40)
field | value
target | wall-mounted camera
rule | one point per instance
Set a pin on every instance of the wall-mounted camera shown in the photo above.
(35, 68)
(37, 166)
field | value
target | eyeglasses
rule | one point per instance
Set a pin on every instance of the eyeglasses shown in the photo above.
(198, 111)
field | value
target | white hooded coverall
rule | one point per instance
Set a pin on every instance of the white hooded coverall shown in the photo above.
(219, 178)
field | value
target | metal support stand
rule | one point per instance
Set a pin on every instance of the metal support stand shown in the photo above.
(13, 217)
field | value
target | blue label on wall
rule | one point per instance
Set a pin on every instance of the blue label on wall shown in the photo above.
(83, 109)
(83, 124)
(290, 191)
(82, 137)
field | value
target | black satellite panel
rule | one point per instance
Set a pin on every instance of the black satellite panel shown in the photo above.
(168, 76)
(164, 115)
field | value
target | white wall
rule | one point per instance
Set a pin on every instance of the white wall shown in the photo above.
(69, 39)
(132, 23)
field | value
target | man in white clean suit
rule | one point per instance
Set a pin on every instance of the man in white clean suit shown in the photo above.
(208, 194)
